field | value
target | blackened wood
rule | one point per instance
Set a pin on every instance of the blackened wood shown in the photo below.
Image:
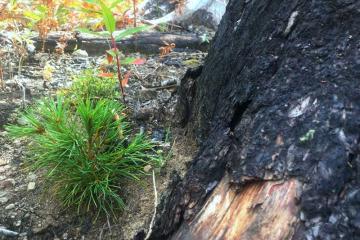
(147, 42)
(278, 98)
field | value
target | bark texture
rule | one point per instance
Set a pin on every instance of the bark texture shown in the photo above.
(277, 99)
(148, 43)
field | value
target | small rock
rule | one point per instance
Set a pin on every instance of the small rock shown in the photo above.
(147, 168)
(3, 194)
(17, 223)
(22, 121)
(315, 230)
(158, 135)
(7, 183)
(80, 53)
(143, 114)
(3, 200)
(147, 94)
(10, 206)
(169, 82)
(31, 186)
(333, 219)
(31, 177)
(302, 216)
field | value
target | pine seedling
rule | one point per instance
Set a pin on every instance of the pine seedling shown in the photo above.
(86, 151)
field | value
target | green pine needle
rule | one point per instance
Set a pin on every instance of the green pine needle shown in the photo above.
(86, 151)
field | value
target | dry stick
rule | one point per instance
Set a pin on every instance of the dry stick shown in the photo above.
(155, 205)
(2, 83)
(134, 5)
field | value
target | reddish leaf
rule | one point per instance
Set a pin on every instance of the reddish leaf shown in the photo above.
(125, 81)
(109, 58)
(139, 61)
(106, 75)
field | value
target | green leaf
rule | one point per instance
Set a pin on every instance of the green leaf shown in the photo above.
(115, 3)
(113, 52)
(130, 31)
(108, 17)
(132, 60)
(32, 16)
(127, 61)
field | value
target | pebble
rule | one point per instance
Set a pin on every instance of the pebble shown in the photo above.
(143, 114)
(10, 206)
(3, 161)
(7, 183)
(31, 186)
(147, 168)
(147, 94)
(169, 82)
(31, 177)
(3, 194)
(80, 53)
(3, 200)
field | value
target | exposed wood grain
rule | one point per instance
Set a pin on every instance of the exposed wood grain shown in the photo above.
(261, 210)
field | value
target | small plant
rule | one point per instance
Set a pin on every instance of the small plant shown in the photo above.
(86, 150)
(89, 85)
(110, 26)
(166, 49)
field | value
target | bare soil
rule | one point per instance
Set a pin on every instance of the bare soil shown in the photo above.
(27, 206)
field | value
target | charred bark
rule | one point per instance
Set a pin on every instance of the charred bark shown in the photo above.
(277, 100)
(148, 43)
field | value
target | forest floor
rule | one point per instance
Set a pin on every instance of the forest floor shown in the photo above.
(27, 207)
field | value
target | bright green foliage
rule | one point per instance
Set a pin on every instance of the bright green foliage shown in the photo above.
(110, 25)
(86, 150)
(308, 136)
(88, 85)
(130, 31)
(108, 17)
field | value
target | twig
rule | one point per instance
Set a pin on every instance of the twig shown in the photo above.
(134, 6)
(160, 87)
(2, 83)
(155, 205)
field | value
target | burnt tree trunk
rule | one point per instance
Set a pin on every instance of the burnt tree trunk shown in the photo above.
(276, 109)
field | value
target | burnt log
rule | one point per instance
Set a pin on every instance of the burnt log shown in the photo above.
(276, 110)
(147, 43)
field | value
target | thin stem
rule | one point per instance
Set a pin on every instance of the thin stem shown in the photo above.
(134, 5)
(155, 205)
(118, 67)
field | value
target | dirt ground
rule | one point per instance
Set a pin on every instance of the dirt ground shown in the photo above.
(26, 203)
